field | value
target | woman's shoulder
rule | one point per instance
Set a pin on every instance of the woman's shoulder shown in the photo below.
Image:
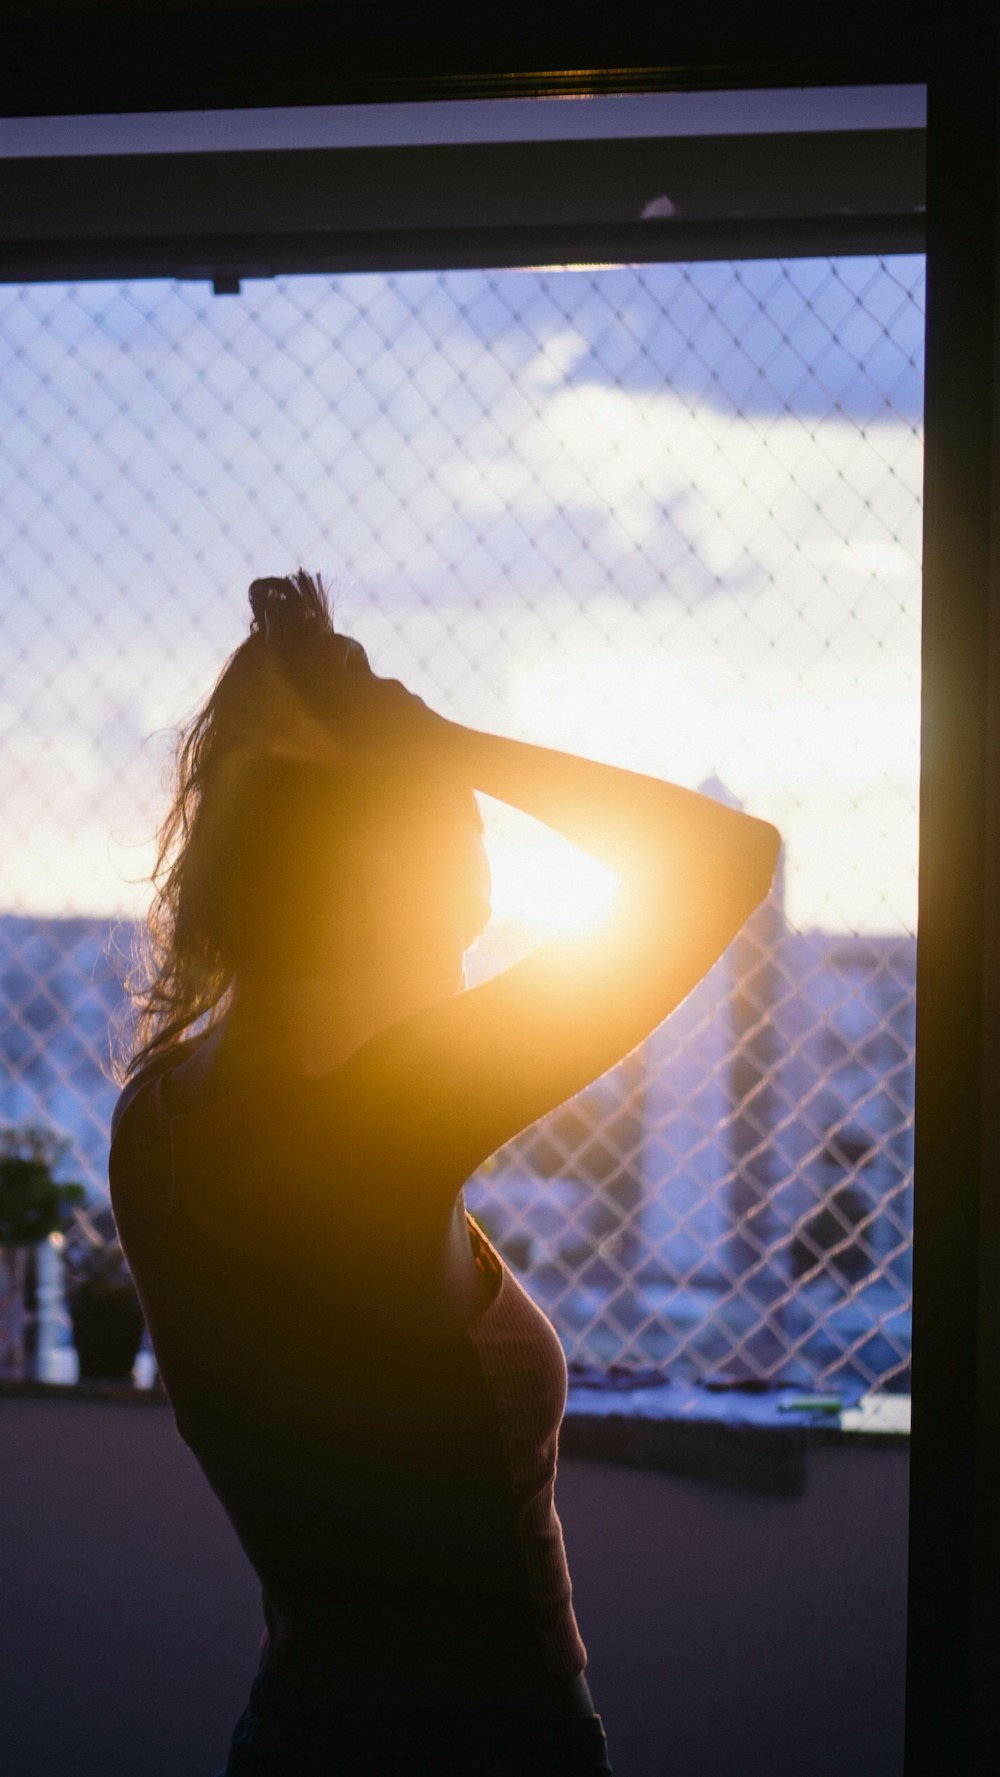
(145, 1077)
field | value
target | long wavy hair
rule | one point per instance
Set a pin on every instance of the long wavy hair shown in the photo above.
(264, 843)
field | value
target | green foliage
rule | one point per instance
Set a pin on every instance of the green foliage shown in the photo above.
(33, 1204)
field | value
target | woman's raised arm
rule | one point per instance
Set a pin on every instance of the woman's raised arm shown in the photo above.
(495, 1059)
(640, 827)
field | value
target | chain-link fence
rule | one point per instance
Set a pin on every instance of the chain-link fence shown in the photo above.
(665, 515)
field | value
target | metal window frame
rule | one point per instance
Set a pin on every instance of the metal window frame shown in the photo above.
(259, 213)
(144, 58)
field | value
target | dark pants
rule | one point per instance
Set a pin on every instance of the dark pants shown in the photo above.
(285, 1732)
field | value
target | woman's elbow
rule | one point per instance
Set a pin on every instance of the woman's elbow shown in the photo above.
(763, 861)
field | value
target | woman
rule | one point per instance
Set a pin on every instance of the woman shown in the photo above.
(369, 1391)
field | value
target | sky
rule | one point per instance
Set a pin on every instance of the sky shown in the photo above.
(665, 516)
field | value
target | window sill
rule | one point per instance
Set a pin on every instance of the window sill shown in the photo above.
(756, 1440)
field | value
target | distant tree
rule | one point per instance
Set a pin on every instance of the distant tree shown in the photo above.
(33, 1203)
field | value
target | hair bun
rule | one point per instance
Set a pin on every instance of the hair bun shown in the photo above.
(289, 609)
(277, 607)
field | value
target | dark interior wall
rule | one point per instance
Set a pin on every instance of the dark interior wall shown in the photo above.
(119, 55)
(729, 1632)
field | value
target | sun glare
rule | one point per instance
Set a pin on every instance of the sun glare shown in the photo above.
(541, 882)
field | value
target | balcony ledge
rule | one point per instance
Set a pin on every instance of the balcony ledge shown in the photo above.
(758, 1441)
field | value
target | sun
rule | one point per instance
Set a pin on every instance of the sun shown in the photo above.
(543, 882)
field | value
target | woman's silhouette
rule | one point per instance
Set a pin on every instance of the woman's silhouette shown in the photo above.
(368, 1389)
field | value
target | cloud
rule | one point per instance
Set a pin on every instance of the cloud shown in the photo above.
(480, 461)
(810, 337)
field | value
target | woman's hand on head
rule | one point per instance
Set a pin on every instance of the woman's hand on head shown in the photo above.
(347, 655)
(377, 722)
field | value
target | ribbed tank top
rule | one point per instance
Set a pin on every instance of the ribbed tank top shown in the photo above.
(525, 1376)
(392, 1482)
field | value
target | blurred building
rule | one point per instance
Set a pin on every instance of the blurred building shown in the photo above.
(736, 1195)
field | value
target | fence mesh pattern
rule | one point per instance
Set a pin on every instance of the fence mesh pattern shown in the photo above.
(664, 515)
